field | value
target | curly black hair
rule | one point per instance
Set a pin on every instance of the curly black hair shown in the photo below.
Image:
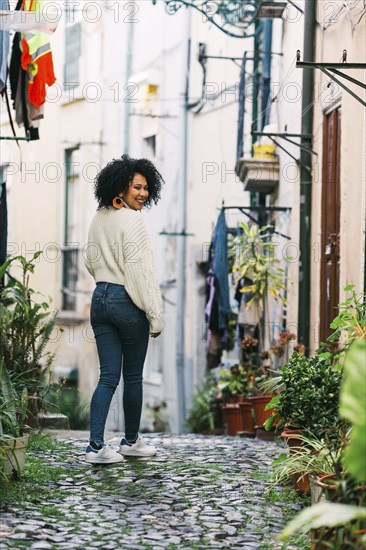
(116, 177)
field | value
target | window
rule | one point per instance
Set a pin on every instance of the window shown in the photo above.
(331, 207)
(72, 45)
(71, 251)
(150, 146)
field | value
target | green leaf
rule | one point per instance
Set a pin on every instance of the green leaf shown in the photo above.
(353, 407)
(352, 403)
(349, 287)
(272, 404)
(269, 422)
(323, 514)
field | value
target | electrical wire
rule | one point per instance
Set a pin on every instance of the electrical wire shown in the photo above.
(274, 99)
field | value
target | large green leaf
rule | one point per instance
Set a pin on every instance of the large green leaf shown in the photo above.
(323, 514)
(353, 407)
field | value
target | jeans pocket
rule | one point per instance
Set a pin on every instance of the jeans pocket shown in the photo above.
(96, 300)
(125, 312)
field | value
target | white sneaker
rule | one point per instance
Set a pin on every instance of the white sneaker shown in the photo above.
(139, 448)
(105, 455)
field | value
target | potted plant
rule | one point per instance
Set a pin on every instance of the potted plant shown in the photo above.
(308, 400)
(205, 414)
(26, 325)
(13, 439)
(342, 522)
(255, 261)
(350, 323)
(307, 462)
(234, 384)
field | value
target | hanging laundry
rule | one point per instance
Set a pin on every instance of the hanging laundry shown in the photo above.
(217, 294)
(20, 21)
(4, 48)
(220, 270)
(247, 315)
(3, 223)
(26, 114)
(36, 58)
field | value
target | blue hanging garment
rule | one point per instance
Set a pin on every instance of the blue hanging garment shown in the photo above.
(4, 48)
(3, 223)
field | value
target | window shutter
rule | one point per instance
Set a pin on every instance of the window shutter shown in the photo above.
(72, 53)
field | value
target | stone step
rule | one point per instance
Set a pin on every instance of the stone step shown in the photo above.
(53, 421)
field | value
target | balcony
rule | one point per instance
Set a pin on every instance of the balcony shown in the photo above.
(259, 174)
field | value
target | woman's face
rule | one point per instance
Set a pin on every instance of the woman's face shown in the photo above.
(137, 192)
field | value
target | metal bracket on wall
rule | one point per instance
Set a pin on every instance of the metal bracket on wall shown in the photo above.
(12, 138)
(286, 136)
(331, 69)
(260, 208)
(176, 234)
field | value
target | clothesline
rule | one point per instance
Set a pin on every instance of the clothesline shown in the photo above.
(25, 21)
(30, 67)
(14, 138)
(260, 208)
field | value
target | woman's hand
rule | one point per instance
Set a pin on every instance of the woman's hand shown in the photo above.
(155, 334)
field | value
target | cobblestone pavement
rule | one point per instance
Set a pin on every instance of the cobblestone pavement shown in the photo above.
(198, 492)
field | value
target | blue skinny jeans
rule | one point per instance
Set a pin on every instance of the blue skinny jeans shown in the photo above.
(121, 332)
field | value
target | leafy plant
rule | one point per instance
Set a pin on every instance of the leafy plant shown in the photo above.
(205, 413)
(236, 381)
(256, 261)
(351, 321)
(13, 406)
(158, 415)
(309, 396)
(315, 456)
(353, 408)
(68, 401)
(26, 325)
(338, 521)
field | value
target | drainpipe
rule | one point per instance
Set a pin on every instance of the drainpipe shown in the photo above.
(182, 245)
(130, 37)
(241, 114)
(364, 267)
(266, 71)
(254, 197)
(306, 176)
(256, 59)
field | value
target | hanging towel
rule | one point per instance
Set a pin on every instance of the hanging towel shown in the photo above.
(37, 59)
(3, 223)
(221, 269)
(4, 49)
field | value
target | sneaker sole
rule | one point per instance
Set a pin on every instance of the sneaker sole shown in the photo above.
(101, 461)
(135, 454)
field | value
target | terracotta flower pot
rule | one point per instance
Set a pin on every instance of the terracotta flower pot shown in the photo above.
(34, 407)
(291, 437)
(15, 451)
(302, 483)
(232, 418)
(234, 399)
(247, 420)
(259, 403)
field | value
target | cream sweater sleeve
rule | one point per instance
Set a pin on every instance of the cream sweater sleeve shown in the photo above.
(140, 278)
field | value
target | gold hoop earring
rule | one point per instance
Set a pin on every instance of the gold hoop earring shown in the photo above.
(118, 202)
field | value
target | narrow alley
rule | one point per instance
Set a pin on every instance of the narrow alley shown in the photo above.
(198, 492)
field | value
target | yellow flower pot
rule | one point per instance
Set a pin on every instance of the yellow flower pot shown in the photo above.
(264, 151)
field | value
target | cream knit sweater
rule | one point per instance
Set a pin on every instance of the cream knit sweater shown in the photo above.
(119, 251)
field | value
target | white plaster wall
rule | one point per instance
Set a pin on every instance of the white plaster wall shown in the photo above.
(331, 41)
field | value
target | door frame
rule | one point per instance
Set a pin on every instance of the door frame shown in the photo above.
(336, 106)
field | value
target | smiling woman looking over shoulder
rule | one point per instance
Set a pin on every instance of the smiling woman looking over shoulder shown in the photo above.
(126, 305)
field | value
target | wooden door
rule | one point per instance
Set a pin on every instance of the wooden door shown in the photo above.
(330, 252)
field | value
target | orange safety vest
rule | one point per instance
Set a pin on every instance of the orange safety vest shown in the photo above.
(37, 58)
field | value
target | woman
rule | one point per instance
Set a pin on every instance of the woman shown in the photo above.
(126, 304)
